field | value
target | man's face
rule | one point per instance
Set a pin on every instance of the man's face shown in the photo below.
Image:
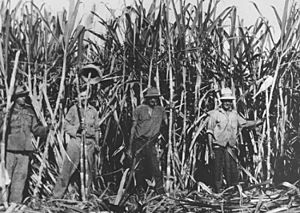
(84, 99)
(227, 105)
(152, 101)
(21, 100)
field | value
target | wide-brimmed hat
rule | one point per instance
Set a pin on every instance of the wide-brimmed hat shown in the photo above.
(226, 94)
(152, 92)
(20, 91)
(94, 71)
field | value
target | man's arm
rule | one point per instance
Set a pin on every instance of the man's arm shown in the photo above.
(132, 132)
(72, 124)
(37, 128)
(210, 132)
(165, 118)
(210, 146)
(1, 121)
(251, 123)
(98, 133)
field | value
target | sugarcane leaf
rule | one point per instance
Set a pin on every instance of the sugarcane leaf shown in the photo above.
(277, 17)
(284, 18)
(265, 85)
(89, 21)
(257, 9)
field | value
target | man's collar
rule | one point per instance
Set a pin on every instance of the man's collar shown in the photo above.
(220, 109)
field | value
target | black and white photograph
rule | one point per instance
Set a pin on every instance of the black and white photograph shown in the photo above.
(141, 106)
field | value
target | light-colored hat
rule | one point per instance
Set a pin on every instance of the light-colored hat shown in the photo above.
(226, 94)
(152, 92)
(21, 91)
(96, 73)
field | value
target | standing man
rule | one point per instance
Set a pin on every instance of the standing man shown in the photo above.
(147, 121)
(22, 123)
(74, 127)
(223, 126)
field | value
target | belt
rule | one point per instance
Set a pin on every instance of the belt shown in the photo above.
(216, 146)
(90, 138)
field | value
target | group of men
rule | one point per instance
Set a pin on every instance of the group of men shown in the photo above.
(148, 118)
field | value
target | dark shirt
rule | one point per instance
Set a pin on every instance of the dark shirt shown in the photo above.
(148, 125)
(22, 124)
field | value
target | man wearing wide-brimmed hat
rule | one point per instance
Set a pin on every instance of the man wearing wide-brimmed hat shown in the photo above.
(77, 120)
(22, 122)
(147, 121)
(223, 126)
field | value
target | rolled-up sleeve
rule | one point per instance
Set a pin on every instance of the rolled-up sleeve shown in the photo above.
(241, 121)
(38, 129)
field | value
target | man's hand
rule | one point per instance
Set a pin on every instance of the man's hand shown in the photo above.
(50, 125)
(129, 152)
(260, 121)
(81, 127)
(212, 155)
(97, 148)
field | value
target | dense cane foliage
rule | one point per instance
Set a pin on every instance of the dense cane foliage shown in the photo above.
(189, 52)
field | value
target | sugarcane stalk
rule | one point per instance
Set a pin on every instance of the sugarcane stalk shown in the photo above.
(82, 121)
(198, 84)
(83, 136)
(216, 89)
(170, 143)
(184, 127)
(170, 75)
(282, 120)
(28, 63)
(268, 157)
(174, 157)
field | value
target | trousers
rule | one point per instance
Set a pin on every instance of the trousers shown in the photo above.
(71, 163)
(147, 164)
(17, 166)
(225, 165)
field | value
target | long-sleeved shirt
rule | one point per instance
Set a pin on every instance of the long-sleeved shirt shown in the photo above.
(148, 125)
(22, 124)
(223, 125)
(72, 121)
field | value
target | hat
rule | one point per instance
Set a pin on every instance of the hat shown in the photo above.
(226, 94)
(21, 91)
(152, 92)
(96, 73)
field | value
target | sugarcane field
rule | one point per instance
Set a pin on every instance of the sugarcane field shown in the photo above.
(176, 107)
